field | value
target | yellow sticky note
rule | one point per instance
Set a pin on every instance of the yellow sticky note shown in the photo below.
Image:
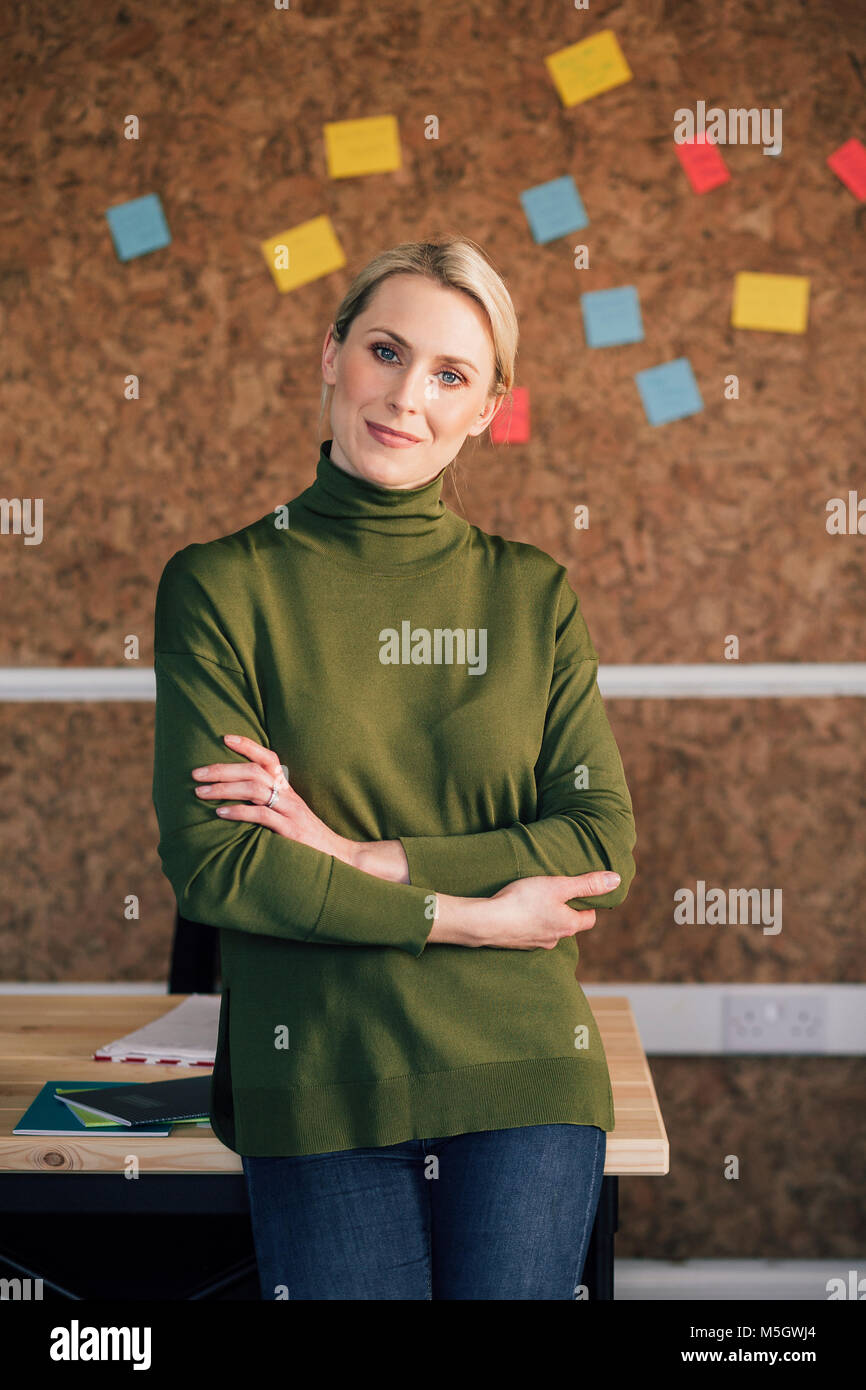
(584, 69)
(368, 146)
(303, 253)
(774, 303)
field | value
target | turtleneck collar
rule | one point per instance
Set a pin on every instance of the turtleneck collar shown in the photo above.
(382, 530)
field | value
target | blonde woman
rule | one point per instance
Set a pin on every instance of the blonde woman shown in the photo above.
(406, 1062)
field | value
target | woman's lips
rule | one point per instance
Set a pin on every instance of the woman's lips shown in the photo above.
(393, 441)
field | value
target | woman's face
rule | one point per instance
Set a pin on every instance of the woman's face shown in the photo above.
(419, 360)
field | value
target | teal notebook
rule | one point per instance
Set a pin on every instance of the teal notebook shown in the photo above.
(48, 1115)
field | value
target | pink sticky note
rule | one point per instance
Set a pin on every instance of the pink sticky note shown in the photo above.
(849, 162)
(511, 425)
(704, 166)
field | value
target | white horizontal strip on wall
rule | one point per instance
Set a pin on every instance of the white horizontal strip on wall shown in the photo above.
(673, 1020)
(689, 1019)
(737, 1281)
(701, 681)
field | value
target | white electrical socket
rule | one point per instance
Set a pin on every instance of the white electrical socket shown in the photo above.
(775, 1023)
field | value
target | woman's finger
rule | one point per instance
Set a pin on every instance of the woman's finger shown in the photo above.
(258, 790)
(259, 814)
(265, 757)
(230, 772)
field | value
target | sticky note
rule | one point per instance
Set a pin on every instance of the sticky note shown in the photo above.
(589, 67)
(772, 303)
(669, 392)
(511, 425)
(303, 253)
(703, 164)
(368, 146)
(611, 317)
(849, 163)
(138, 226)
(554, 209)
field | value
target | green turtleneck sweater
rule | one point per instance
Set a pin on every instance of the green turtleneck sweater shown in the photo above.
(425, 681)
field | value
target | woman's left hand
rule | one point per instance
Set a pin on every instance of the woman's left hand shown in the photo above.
(290, 816)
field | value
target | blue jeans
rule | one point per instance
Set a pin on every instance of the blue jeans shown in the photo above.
(497, 1214)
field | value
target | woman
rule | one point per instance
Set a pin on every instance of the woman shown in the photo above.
(417, 1118)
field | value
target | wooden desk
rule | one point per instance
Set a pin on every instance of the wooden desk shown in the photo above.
(48, 1037)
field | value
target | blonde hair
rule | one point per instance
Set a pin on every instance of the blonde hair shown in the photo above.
(457, 263)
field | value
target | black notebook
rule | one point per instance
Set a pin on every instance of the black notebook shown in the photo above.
(151, 1103)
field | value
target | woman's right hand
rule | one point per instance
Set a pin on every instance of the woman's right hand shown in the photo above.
(532, 912)
(524, 915)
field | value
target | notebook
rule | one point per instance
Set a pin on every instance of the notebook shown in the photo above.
(147, 1103)
(45, 1115)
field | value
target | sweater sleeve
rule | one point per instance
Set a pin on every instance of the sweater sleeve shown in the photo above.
(585, 817)
(235, 873)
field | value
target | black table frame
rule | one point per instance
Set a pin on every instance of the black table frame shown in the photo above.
(71, 1195)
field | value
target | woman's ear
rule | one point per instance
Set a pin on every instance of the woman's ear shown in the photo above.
(330, 348)
(488, 414)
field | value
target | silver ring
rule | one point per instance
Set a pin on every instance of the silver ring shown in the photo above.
(279, 784)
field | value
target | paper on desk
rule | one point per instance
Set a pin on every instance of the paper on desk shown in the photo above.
(186, 1035)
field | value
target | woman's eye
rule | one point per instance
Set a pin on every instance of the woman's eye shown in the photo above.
(446, 371)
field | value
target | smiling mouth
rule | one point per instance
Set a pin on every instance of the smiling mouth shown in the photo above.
(395, 434)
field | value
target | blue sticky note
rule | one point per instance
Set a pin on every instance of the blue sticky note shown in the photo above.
(669, 392)
(138, 227)
(611, 317)
(554, 209)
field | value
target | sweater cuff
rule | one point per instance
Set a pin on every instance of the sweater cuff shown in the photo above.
(469, 866)
(362, 910)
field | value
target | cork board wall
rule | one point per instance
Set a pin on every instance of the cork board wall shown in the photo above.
(710, 525)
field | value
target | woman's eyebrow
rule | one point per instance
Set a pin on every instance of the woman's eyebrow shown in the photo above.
(443, 356)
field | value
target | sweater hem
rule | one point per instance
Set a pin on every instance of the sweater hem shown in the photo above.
(268, 1122)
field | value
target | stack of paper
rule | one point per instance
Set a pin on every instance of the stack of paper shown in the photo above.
(186, 1035)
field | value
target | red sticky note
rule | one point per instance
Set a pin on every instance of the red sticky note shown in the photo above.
(703, 164)
(511, 425)
(849, 162)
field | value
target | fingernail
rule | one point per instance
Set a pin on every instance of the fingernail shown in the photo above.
(611, 880)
